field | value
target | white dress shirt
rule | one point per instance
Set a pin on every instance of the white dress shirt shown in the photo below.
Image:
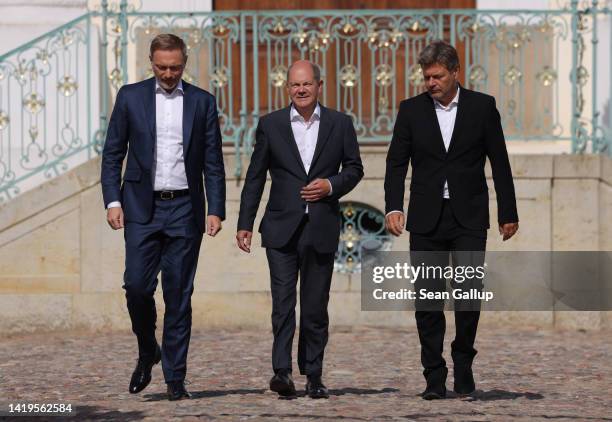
(446, 120)
(168, 161)
(305, 134)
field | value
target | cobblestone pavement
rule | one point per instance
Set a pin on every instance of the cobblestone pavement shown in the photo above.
(373, 374)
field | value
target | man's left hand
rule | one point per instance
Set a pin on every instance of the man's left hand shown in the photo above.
(315, 190)
(507, 230)
(213, 225)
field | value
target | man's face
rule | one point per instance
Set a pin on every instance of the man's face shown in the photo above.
(440, 82)
(168, 66)
(302, 87)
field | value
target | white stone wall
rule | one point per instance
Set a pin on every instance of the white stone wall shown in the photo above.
(62, 266)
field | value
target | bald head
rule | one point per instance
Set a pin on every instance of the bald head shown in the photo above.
(304, 86)
(305, 65)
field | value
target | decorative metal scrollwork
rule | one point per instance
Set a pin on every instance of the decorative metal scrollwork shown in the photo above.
(4, 120)
(363, 229)
(56, 92)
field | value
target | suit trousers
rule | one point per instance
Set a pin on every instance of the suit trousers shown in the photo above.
(299, 257)
(169, 243)
(465, 247)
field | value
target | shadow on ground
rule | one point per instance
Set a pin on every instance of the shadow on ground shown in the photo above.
(361, 391)
(493, 395)
(207, 394)
(220, 393)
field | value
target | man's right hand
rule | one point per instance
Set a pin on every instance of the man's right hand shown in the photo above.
(394, 223)
(114, 217)
(243, 240)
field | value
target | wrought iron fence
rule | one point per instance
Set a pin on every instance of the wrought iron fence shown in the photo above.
(47, 116)
(548, 69)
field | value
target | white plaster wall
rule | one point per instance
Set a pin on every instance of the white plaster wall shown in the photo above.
(22, 21)
(515, 4)
(176, 6)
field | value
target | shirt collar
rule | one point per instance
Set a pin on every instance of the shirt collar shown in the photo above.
(295, 115)
(179, 88)
(454, 101)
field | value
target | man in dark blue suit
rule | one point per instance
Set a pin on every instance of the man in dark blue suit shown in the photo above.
(170, 132)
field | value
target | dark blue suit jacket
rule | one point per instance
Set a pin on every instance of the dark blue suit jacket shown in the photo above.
(131, 130)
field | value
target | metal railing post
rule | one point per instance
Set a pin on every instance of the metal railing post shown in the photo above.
(574, 76)
(123, 22)
(104, 81)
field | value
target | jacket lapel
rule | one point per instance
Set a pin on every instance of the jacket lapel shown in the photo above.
(433, 119)
(325, 127)
(189, 111)
(461, 113)
(149, 106)
(287, 135)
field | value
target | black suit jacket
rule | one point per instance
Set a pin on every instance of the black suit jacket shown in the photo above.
(276, 151)
(132, 127)
(477, 134)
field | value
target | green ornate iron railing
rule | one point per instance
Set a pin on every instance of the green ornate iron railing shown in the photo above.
(548, 69)
(362, 230)
(47, 118)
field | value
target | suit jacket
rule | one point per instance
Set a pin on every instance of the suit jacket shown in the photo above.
(276, 151)
(477, 134)
(132, 130)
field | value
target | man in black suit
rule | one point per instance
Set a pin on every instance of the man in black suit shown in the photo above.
(303, 146)
(169, 131)
(447, 133)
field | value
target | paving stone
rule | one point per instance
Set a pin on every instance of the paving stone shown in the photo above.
(373, 374)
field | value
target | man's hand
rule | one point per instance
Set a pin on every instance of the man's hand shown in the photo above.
(394, 223)
(114, 217)
(243, 240)
(315, 190)
(508, 230)
(213, 225)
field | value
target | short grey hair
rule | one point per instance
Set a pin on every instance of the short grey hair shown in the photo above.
(316, 70)
(439, 52)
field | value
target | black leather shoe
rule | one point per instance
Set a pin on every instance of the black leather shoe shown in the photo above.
(436, 384)
(176, 391)
(434, 393)
(282, 383)
(141, 377)
(315, 388)
(464, 381)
